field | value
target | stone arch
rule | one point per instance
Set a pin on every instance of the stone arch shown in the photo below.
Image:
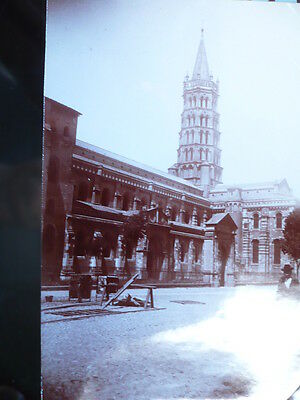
(187, 217)
(105, 197)
(126, 201)
(83, 191)
(174, 213)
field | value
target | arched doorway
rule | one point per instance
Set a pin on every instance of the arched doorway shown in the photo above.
(155, 257)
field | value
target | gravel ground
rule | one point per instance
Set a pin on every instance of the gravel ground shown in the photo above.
(221, 343)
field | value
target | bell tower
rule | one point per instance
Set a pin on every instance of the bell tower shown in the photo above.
(198, 154)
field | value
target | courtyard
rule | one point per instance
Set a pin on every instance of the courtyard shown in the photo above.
(198, 343)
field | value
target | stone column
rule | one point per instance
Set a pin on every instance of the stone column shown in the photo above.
(191, 260)
(136, 203)
(141, 258)
(119, 262)
(95, 194)
(181, 215)
(177, 261)
(208, 255)
(69, 245)
(194, 217)
(116, 203)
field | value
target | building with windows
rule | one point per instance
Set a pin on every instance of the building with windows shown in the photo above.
(198, 229)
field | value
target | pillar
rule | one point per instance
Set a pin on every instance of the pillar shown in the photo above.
(69, 244)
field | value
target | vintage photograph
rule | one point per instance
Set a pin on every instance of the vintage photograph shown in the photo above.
(170, 211)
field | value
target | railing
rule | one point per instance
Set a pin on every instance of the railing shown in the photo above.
(200, 82)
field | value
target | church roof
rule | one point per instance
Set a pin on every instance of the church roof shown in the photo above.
(201, 70)
(139, 165)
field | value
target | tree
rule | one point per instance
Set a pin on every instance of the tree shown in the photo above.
(291, 233)
(133, 229)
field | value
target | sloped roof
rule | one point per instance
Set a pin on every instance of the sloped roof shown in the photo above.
(136, 164)
(219, 217)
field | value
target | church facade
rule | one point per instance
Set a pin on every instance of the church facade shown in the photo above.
(198, 229)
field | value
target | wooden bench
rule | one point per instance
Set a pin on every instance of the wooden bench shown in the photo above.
(130, 283)
(149, 293)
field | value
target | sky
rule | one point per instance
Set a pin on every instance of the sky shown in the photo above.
(122, 64)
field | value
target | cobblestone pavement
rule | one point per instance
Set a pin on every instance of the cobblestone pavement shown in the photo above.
(199, 343)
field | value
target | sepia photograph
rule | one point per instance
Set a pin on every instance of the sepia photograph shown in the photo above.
(170, 200)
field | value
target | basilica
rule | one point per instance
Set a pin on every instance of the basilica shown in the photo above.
(198, 229)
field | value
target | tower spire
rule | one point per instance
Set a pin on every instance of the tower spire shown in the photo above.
(201, 70)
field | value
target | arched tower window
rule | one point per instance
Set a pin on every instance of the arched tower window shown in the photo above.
(191, 154)
(190, 99)
(189, 120)
(255, 251)
(201, 154)
(201, 137)
(186, 154)
(255, 221)
(277, 251)
(206, 102)
(192, 137)
(206, 137)
(206, 121)
(105, 198)
(194, 98)
(193, 117)
(187, 137)
(206, 154)
(278, 221)
(201, 120)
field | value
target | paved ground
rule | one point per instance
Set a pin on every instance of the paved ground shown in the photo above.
(200, 343)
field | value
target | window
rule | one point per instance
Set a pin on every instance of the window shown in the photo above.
(255, 221)
(278, 221)
(192, 134)
(255, 253)
(277, 251)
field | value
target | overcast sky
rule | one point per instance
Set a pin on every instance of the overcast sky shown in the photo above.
(122, 65)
